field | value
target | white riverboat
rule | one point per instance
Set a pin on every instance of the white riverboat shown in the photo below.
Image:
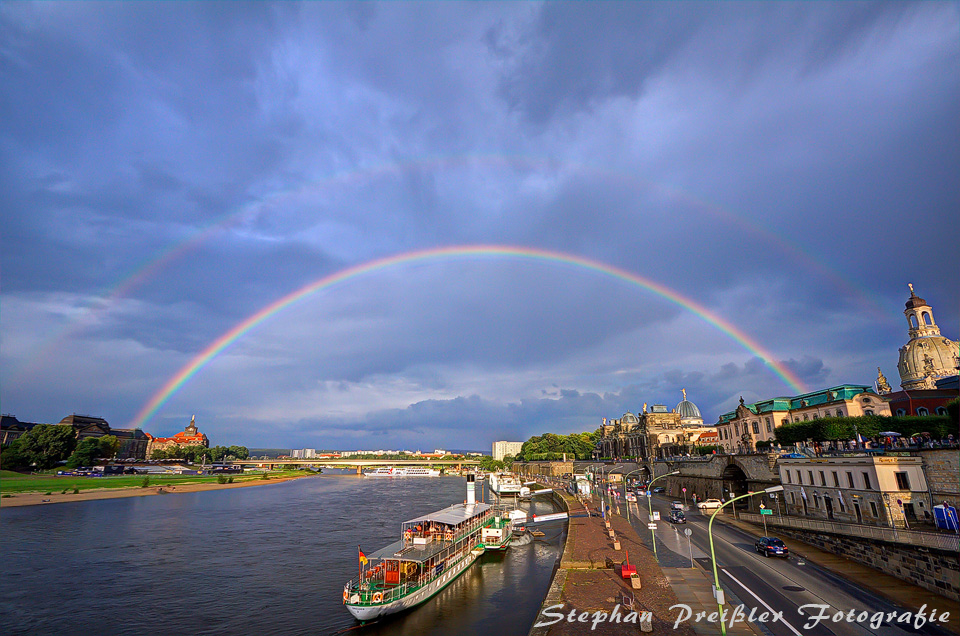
(403, 471)
(502, 485)
(432, 552)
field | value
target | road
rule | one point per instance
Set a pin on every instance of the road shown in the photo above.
(772, 584)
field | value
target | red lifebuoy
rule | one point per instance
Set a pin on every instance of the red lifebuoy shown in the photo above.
(377, 597)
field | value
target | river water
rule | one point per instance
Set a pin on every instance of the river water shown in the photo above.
(262, 560)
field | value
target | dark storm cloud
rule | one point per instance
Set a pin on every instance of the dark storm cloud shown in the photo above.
(790, 166)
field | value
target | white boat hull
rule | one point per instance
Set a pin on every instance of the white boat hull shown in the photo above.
(371, 612)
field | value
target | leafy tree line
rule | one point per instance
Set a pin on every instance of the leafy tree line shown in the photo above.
(46, 445)
(842, 428)
(551, 446)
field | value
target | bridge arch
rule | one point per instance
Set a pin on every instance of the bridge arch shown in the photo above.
(734, 479)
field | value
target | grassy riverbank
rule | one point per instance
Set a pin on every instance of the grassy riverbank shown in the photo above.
(12, 483)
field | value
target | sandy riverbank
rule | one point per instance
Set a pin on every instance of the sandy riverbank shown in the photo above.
(35, 499)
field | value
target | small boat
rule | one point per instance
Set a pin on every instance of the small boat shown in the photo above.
(537, 533)
(432, 552)
(403, 471)
(502, 485)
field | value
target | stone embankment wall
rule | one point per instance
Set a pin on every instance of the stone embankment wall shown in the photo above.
(941, 466)
(935, 570)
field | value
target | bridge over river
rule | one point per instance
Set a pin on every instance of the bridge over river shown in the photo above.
(359, 464)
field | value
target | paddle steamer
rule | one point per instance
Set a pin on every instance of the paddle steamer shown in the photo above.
(432, 552)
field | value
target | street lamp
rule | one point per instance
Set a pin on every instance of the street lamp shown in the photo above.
(716, 577)
(653, 536)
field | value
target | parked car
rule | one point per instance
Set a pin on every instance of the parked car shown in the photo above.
(771, 546)
(631, 497)
(676, 505)
(659, 489)
(709, 504)
(676, 516)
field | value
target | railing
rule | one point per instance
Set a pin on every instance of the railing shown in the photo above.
(947, 542)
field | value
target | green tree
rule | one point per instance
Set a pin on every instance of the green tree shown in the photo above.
(12, 457)
(47, 444)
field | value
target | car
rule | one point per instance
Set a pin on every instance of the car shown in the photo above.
(771, 546)
(631, 497)
(676, 505)
(676, 516)
(709, 504)
(659, 489)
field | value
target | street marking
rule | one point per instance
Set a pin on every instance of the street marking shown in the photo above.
(762, 602)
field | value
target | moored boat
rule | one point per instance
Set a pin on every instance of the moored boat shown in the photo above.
(432, 552)
(502, 485)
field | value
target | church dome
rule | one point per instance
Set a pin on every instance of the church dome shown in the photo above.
(687, 409)
(629, 418)
(928, 356)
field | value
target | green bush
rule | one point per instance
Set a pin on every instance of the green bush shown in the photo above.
(76, 491)
(145, 482)
(229, 480)
(221, 479)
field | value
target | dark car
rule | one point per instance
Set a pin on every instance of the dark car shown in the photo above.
(676, 516)
(771, 546)
(659, 489)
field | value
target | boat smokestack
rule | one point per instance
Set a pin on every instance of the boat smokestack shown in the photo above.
(471, 489)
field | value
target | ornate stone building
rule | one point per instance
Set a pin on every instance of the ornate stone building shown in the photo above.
(189, 436)
(928, 356)
(133, 442)
(657, 433)
(742, 428)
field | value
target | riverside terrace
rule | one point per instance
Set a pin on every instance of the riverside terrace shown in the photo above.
(359, 464)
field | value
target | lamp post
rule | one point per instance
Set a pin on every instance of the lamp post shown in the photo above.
(713, 556)
(653, 537)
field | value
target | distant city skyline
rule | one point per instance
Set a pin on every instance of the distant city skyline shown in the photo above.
(421, 225)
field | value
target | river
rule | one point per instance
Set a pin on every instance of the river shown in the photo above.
(264, 560)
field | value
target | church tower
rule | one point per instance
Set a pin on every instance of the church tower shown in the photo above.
(928, 356)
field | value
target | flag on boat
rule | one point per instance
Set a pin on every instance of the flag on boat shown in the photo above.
(363, 557)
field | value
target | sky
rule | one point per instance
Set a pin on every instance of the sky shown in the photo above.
(728, 198)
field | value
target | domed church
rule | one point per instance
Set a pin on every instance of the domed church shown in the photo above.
(689, 413)
(928, 356)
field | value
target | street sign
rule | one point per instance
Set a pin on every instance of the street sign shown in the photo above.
(684, 489)
(648, 493)
(766, 511)
(762, 507)
(687, 531)
(656, 515)
(652, 526)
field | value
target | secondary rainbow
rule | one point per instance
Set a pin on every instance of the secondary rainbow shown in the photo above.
(454, 252)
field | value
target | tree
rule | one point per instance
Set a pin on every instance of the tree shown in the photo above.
(12, 456)
(47, 444)
(90, 449)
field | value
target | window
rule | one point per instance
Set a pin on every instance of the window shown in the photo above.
(903, 481)
(941, 410)
(810, 475)
(843, 508)
(873, 509)
(816, 417)
(868, 412)
(793, 498)
(866, 482)
(770, 423)
(839, 412)
(866, 400)
(922, 411)
(823, 480)
(901, 412)
(756, 428)
(850, 480)
(785, 420)
(805, 417)
(926, 318)
(816, 500)
(787, 474)
(836, 479)
(799, 479)
(736, 428)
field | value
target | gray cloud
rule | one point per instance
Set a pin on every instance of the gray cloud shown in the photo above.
(170, 170)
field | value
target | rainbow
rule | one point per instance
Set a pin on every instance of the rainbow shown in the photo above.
(455, 252)
(150, 268)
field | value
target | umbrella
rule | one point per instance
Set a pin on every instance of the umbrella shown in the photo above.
(890, 434)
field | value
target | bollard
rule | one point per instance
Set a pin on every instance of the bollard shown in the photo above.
(635, 581)
(612, 534)
(607, 523)
(616, 544)
(646, 621)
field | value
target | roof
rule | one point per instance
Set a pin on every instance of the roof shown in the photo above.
(454, 515)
